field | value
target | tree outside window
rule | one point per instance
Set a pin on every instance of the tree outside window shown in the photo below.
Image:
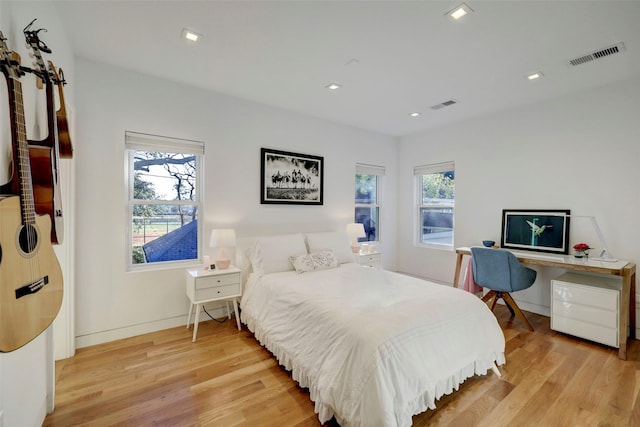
(436, 197)
(164, 204)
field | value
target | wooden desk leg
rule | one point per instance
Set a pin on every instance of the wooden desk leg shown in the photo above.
(627, 310)
(456, 275)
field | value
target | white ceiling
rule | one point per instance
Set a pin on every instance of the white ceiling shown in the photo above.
(392, 57)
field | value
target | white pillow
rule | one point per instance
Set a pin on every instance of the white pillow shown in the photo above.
(271, 254)
(315, 261)
(335, 241)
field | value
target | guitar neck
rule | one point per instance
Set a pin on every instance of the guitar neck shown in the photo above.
(21, 155)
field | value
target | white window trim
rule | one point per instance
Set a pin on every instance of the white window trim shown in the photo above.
(418, 172)
(149, 142)
(379, 171)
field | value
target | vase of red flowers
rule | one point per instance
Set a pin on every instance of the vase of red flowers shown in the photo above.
(582, 250)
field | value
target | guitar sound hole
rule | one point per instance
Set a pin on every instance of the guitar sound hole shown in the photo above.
(28, 238)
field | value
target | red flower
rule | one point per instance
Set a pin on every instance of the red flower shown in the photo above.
(581, 247)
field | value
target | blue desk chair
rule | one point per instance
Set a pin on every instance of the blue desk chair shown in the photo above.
(500, 271)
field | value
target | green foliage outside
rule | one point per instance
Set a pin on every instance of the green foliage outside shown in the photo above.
(438, 186)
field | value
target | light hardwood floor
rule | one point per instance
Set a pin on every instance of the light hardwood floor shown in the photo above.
(226, 378)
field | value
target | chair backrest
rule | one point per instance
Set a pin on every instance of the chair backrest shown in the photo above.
(500, 270)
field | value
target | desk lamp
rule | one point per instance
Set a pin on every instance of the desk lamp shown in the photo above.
(605, 255)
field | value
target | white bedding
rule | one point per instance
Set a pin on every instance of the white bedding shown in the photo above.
(373, 347)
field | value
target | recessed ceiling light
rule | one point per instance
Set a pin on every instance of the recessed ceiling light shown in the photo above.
(459, 11)
(534, 76)
(190, 35)
(414, 114)
(333, 86)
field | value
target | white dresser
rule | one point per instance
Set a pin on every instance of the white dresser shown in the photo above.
(587, 307)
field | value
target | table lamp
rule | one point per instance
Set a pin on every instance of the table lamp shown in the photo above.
(355, 231)
(223, 239)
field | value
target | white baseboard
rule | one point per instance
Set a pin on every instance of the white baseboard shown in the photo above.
(143, 328)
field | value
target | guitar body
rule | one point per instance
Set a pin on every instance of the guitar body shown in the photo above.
(46, 191)
(64, 138)
(25, 262)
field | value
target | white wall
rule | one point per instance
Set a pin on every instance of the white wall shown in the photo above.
(27, 374)
(111, 302)
(579, 152)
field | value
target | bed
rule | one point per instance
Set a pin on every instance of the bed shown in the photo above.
(373, 347)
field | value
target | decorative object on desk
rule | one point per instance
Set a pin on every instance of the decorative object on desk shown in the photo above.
(355, 231)
(223, 239)
(582, 250)
(536, 230)
(206, 262)
(488, 243)
(290, 178)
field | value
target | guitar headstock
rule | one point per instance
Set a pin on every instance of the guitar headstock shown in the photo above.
(58, 75)
(37, 46)
(9, 61)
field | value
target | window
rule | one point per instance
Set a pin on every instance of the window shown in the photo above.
(435, 186)
(367, 210)
(164, 199)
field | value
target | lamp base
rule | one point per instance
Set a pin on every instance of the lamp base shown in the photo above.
(223, 264)
(355, 248)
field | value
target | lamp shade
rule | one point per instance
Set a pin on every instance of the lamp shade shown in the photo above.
(355, 231)
(222, 239)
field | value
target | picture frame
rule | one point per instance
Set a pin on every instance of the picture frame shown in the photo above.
(291, 178)
(543, 230)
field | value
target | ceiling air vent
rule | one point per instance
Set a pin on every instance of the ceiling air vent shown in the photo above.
(598, 54)
(443, 104)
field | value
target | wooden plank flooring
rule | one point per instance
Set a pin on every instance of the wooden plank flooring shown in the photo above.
(226, 378)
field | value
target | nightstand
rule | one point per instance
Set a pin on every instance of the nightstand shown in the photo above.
(373, 259)
(213, 285)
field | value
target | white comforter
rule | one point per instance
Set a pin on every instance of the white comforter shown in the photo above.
(373, 347)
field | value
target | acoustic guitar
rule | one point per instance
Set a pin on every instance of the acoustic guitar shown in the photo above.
(44, 154)
(30, 276)
(64, 138)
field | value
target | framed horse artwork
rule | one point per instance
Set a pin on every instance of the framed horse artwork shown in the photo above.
(291, 178)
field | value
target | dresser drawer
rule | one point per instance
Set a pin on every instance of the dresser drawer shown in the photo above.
(217, 280)
(585, 313)
(585, 295)
(218, 292)
(597, 333)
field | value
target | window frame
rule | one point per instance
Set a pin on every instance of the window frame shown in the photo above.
(135, 141)
(378, 172)
(419, 172)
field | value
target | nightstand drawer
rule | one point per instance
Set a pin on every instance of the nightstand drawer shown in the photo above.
(370, 260)
(218, 292)
(217, 280)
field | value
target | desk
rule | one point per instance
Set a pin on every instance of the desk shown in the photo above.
(625, 269)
